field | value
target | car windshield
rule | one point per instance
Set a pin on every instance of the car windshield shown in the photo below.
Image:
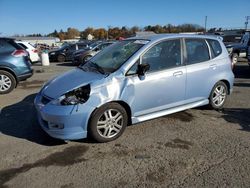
(91, 46)
(114, 56)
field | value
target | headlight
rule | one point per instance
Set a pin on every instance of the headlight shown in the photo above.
(230, 50)
(52, 53)
(77, 96)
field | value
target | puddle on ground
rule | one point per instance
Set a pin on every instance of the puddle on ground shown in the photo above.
(68, 156)
(31, 84)
(178, 143)
(182, 116)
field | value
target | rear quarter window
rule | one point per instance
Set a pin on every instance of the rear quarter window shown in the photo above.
(21, 44)
(215, 47)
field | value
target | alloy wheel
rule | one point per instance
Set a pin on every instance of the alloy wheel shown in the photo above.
(234, 60)
(110, 123)
(219, 95)
(5, 83)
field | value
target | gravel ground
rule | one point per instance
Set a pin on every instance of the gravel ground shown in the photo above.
(194, 148)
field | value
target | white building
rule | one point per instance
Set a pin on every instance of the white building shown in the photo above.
(39, 40)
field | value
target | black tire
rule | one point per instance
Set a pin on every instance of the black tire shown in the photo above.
(61, 58)
(11, 82)
(217, 105)
(235, 58)
(98, 114)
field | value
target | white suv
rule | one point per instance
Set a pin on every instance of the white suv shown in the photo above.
(34, 57)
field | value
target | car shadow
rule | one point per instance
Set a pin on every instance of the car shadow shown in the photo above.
(242, 70)
(242, 84)
(19, 120)
(240, 116)
(66, 64)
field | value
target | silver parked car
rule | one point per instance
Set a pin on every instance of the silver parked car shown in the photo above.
(135, 80)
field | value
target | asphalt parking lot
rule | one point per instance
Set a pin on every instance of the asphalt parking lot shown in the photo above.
(194, 148)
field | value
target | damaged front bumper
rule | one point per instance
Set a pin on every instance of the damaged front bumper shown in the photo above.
(67, 122)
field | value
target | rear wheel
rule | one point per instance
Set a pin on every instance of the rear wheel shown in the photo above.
(7, 82)
(235, 57)
(108, 122)
(61, 58)
(218, 95)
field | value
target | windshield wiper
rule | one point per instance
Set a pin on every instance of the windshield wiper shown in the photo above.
(98, 68)
(81, 67)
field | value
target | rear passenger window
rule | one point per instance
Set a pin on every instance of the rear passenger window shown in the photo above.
(215, 47)
(6, 47)
(197, 51)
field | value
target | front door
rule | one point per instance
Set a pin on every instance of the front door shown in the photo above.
(163, 86)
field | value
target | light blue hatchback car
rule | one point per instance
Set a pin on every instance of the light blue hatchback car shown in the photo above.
(135, 80)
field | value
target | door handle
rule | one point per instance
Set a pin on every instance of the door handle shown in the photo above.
(177, 74)
(213, 66)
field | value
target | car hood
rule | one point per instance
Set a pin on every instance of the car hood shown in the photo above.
(69, 81)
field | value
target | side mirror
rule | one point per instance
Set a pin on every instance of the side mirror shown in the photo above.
(142, 69)
(97, 49)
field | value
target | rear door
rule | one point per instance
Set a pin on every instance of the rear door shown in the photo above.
(201, 69)
(69, 54)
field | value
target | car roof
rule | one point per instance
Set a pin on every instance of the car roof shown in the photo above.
(156, 37)
(24, 42)
(6, 38)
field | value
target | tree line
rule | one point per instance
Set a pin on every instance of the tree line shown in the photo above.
(116, 32)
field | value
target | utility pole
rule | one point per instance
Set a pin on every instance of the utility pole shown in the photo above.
(108, 32)
(205, 24)
(246, 23)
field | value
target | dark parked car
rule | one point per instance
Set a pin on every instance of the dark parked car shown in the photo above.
(232, 38)
(15, 65)
(248, 56)
(66, 51)
(81, 56)
(240, 49)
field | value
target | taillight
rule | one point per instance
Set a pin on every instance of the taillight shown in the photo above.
(19, 53)
(35, 50)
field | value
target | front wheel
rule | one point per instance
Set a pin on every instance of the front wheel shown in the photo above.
(61, 58)
(108, 122)
(218, 95)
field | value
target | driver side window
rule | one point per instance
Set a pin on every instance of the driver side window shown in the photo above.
(164, 55)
